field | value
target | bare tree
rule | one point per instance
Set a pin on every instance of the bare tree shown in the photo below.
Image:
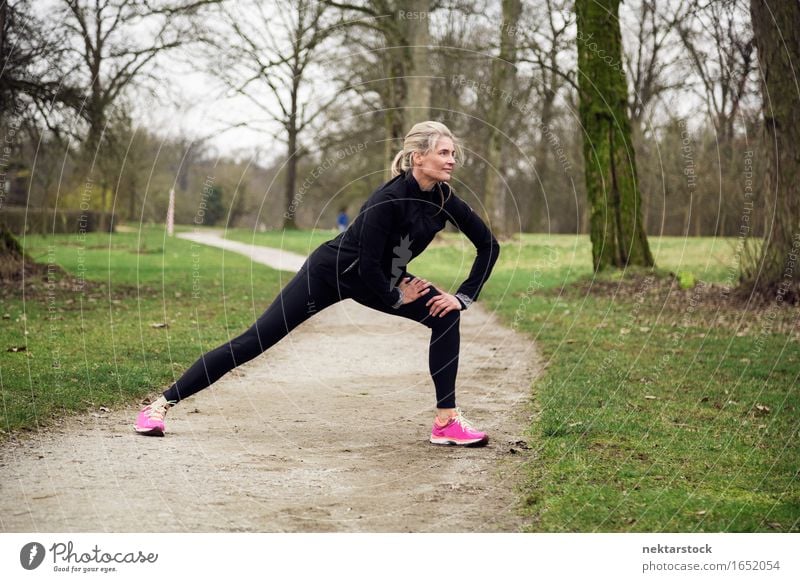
(547, 45)
(719, 42)
(272, 54)
(34, 72)
(501, 98)
(400, 37)
(652, 62)
(115, 43)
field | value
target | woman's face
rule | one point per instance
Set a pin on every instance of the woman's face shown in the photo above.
(436, 165)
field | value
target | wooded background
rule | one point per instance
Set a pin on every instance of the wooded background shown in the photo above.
(336, 85)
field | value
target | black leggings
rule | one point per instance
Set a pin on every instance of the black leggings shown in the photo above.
(316, 286)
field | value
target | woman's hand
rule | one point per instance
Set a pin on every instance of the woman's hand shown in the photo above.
(443, 304)
(413, 289)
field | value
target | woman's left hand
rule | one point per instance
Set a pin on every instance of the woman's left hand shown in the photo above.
(441, 305)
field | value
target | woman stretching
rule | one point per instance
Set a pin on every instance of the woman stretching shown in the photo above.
(367, 263)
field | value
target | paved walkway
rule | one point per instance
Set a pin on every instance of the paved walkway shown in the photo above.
(275, 258)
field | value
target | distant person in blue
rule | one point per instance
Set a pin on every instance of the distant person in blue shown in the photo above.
(342, 221)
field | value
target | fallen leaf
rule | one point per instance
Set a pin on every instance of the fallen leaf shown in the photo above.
(701, 512)
(159, 325)
(16, 349)
(763, 408)
(649, 397)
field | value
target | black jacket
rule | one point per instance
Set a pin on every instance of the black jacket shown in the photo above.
(396, 223)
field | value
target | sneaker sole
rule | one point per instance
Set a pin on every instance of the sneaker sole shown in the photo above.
(453, 443)
(149, 431)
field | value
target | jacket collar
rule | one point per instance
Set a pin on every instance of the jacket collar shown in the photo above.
(415, 190)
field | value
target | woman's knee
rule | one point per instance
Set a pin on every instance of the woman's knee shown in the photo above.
(451, 319)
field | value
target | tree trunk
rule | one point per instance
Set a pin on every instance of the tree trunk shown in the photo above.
(3, 13)
(132, 196)
(289, 218)
(777, 33)
(541, 157)
(12, 258)
(616, 229)
(418, 104)
(501, 92)
(393, 113)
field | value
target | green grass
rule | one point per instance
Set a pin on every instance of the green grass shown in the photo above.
(106, 345)
(661, 409)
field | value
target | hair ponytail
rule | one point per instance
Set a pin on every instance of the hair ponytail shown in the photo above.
(400, 163)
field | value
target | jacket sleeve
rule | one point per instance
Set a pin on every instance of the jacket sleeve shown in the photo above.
(468, 222)
(376, 224)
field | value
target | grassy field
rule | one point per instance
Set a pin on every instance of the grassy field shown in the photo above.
(149, 307)
(662, 409)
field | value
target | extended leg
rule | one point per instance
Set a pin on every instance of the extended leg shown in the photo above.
(301, 298)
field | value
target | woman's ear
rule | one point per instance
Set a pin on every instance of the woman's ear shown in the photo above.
(414, 157)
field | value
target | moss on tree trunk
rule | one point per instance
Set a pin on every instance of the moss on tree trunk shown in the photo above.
(616, 225)
(776, 273)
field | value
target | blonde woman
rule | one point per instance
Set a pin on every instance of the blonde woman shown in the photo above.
(367, 263)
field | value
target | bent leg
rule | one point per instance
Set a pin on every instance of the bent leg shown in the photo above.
(301, 298)
(444, 344)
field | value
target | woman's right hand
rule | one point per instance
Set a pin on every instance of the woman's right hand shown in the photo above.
(413, 289)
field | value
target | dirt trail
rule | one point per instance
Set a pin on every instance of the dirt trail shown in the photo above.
(289, 442)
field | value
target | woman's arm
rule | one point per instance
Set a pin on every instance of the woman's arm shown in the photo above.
(468, 222)
(377, 220)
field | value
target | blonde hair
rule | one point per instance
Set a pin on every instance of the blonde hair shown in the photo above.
(422, 138)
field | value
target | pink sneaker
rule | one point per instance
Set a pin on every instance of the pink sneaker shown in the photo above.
(458, 432)
(150, 420)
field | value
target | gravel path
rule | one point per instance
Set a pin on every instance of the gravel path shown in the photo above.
(327, 431)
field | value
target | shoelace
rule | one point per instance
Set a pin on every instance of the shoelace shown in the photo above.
(459, 418)
(157, 412)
